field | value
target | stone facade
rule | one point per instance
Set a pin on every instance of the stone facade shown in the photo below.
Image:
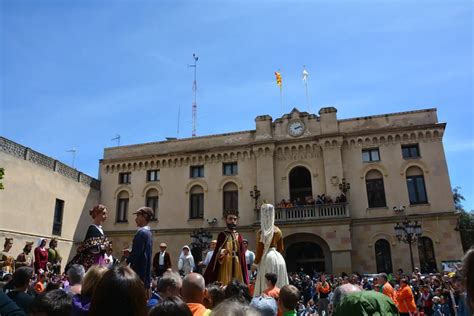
(33, 183)
(330, 150)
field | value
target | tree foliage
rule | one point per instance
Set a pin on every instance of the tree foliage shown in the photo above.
(465, 220)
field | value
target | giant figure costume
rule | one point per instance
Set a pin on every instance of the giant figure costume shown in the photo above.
(228, 260)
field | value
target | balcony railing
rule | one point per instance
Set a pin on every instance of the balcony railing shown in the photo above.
(310, 212)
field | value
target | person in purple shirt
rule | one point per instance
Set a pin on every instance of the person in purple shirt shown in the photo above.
(141, 253)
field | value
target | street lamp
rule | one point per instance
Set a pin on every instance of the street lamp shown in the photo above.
(255, 195)
(344, 186)
(201, 239)
(408, 232)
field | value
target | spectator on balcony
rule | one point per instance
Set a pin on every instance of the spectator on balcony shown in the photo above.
(282, 203)
(296, 202)
(328, 200)
(309, 200)
(321, 199)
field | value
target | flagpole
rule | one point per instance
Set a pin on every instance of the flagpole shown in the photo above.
(305, 79)
(307, 97)
(281, 99)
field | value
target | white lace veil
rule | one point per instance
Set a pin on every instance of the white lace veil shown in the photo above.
(182, 255)
(267, 224)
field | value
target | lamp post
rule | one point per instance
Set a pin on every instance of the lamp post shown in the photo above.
(255, 195)
(408, 232)
(200, 240)
(344, 186)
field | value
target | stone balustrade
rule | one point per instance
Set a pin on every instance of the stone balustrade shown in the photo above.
(310, 212)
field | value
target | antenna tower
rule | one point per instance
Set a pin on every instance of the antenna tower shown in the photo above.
(195, 57)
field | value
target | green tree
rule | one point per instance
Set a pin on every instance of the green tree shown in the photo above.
(465, 220)
(2, 173)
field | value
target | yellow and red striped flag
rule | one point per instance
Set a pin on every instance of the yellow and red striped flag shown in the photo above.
(278, 78)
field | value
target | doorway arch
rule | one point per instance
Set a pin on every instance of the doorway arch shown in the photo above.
(300, 183)
(307, 252)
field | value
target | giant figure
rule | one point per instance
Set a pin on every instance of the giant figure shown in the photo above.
(228, 260)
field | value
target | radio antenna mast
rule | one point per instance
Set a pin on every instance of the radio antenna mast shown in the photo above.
(73, 151)
(117, 138)
(195, 57)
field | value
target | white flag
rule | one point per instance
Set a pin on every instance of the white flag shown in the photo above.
(305, 76)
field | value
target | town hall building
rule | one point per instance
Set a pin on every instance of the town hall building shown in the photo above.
(375, 172)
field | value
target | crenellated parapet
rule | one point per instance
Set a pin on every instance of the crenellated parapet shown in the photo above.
(11, 148)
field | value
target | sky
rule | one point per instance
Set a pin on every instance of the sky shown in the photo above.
(74, 74)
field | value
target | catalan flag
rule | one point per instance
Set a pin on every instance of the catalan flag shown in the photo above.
(278, 78)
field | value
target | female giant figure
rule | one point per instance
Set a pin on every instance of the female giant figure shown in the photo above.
(269, 248)
(92, 249)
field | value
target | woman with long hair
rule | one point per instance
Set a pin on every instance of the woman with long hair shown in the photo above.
(94, 246)
(268, 258)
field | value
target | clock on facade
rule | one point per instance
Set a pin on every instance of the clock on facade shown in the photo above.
(296, 128)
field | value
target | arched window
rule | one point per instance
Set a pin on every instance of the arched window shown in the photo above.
(122, 207)
(383, 256)
(427, 255)
(300, 184)
(375, 189)
(416, 186)
(196, 202)
(230, 197)
(151, 200)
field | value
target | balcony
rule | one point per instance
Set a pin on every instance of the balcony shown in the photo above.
(310, 212)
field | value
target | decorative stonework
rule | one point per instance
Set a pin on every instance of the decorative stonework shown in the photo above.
(200, 183)
(298, 151)
(228, 179)
(150, 186)
(387, 139)
(181, 160)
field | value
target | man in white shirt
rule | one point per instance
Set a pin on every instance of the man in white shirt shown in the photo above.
(212, 246)
(249, 256)
(161, 261)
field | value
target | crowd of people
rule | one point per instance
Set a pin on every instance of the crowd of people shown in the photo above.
(322, 199)
(236, 281)
(438, 294)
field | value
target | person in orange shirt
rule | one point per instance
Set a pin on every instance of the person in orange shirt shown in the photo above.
(323, 288)
(271, 289)
(39, 286)
(405, 299)
(386, 288)
(193, 292)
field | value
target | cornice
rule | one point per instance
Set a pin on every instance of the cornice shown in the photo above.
(394, 218)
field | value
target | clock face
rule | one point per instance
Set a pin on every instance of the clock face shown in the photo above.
(296, 128)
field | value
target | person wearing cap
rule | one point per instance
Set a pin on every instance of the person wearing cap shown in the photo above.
(25, 259)
(140, 256)
(161, 261)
